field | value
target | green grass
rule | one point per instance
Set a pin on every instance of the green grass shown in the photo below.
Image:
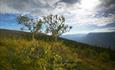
(19, 52)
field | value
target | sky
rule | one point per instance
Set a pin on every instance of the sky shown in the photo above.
(84, 16)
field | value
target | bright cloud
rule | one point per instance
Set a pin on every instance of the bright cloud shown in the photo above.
(96, 12)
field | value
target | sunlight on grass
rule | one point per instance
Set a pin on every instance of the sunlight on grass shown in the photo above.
(17, 53)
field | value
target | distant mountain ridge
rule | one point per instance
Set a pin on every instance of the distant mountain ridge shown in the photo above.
(106, 40)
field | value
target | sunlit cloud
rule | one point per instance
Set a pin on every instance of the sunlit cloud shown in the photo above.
(91, 12)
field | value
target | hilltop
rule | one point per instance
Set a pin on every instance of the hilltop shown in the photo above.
(19, 52)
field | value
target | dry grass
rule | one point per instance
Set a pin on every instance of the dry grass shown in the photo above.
(18, 53)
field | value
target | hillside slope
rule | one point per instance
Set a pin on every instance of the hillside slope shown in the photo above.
(19, 52)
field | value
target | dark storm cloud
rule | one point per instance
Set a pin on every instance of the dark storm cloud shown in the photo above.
(70, 1)
(106, 8)
(107, 2)
(108, 5)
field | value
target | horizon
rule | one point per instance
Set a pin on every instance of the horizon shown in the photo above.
(57, 34)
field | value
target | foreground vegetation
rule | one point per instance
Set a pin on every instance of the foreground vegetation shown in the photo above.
(19, 52)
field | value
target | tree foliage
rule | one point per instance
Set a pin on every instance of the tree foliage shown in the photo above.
(55, 25)
(30, 24)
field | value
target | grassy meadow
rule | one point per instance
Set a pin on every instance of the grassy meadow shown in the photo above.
(19, 52)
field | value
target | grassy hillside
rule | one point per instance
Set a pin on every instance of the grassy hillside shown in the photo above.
(19, 52)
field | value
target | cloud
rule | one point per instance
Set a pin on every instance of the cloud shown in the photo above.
(8, 6)
(70, 1)
(73, 10)
(23, 5)
(107, 7)
(107, 2)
